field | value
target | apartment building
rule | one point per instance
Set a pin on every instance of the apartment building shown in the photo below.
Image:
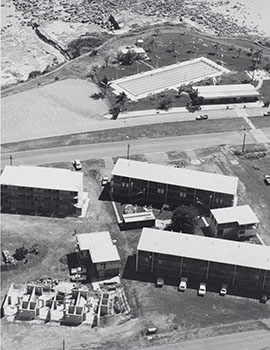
(160, 184)
(41, 191)
(203, 259)
(235, 220)
(98, 254)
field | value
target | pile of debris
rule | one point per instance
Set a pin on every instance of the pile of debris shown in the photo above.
(8, 258)
(47, 283)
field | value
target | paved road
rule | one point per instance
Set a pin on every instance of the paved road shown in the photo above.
(117, 149)
(252, 340)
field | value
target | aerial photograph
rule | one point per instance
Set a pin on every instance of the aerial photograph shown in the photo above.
(135, 175)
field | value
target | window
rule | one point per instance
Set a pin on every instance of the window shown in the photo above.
(160, 190)
(160, 262)
(183, 195)
(124, 185)
(219, 200)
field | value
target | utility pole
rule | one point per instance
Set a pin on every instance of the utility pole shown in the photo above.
(128, 148)
(10, 159)
(244, 139)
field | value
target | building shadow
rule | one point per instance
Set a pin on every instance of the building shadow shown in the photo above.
(213, 285)
(72, 261)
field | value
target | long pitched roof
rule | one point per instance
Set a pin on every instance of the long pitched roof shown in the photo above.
(205, 248)
(221, 91)
(41, 177)
(175, 176)
(242, 214)
(100, 246)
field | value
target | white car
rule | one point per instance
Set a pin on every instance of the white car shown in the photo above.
(160, 282)
(183, 284)
(202, 117)
(223, 290)
(266, 114)
(202, 289)
(267, 180)
(77, 165)
(105, 180)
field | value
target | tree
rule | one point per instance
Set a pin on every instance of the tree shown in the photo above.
(216, 46)
(184, 219)
(115, 112)
(104, 84)
(151, 43)
(127, 58)
(121, 99)
(106, 60)
(165, 103)
(239, 50)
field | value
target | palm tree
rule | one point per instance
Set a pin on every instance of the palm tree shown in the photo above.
(106, 60)
(239, 50)
(151, 43)
(121, 99)
(104, 84)
(216, 46)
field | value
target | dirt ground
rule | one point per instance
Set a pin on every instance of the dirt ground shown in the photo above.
(177, 316)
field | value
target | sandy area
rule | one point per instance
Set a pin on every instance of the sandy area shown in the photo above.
(22, 52)
(252, 13)
(59, 108)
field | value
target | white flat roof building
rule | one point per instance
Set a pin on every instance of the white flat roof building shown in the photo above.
(242, 214)
(227, 91)
(100, 246)
(205, 248)
(125, 49)
(175, 176)
(41, 177)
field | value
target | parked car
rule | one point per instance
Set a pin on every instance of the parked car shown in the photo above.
(266, 114)
(263, 299)
(160, 282)
(202, 289)
(267, 180)
(183, 284)
(105, 180)
(202, 117)
(223, 290)
(77, 165)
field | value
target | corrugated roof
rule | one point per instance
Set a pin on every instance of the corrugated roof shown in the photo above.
(219, 91)
(175, 176)
(100, 246)
(205, 248)
(242, 214)
(41, 177)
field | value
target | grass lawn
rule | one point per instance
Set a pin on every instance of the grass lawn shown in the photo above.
(136, 132)
(261, 122)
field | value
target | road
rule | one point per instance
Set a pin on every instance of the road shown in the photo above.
(118, 149)
(252, 340)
